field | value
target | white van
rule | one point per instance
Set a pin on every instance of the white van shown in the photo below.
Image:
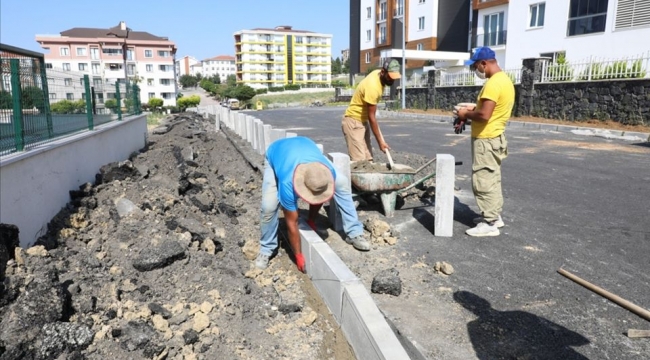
(233, 104)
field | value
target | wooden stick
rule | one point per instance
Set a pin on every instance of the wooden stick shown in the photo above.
(607, 295)
(634, 333)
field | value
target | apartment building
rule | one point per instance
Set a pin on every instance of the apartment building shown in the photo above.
(376, 31)
(109, 55)
(183, 65)
(577, 29)
(222, 65)
(280, 56)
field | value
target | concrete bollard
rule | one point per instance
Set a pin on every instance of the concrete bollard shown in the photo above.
(341, 164)
(249, 128)
(259, 140)
(444, 209)
(277, 134)
(267, 137)
(291, 134)
(255, 139)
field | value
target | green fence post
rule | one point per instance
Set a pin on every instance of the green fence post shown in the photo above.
(136, 100)
(46, 100)
(89, 103)
(19, 136)
(119, 101)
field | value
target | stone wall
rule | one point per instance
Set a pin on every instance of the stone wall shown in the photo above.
(624, 101)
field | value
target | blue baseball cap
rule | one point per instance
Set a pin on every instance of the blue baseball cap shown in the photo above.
(482, 53)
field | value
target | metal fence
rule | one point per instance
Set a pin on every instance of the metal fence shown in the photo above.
(350, 92)
(39, 105)
(469, 78)
(593, 69)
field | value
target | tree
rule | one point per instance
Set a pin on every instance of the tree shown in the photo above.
(6, 101)
(188, 81)
(111, 104)
(198, 76)
(215, 79)
(155, 103)
(336, 66)
(231, 81)
(33, 97)
(243, 93)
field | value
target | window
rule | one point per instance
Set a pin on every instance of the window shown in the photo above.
(129, 54)
(368, 12)
(94, 53)
(83, 66)
(553, 55)
(367, 58)
(383, 6)
(113, 66)
(64, 51)
(149, 68)
(420, 47)
(167, 95)
(66, 66)
(382, 34)
(95, 68)
(130, 69)
(148, 53)
(165, 68)
(112, 51)
(81, 51)
(421, 23)
(368, 35)
(100, 98)
(165, 82)
(493, 32)
(52, 96)
(150, 82)
(537, 15)
(67, 82)
(69, 96)
(110, 95)
(151, 95)
(632, 13)
(97, 82)
(163, 53)
(422, 1)
(399, 7)
(48, 65)
(587, 17)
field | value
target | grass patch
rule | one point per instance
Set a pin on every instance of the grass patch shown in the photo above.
(304, 98)
(154, 118)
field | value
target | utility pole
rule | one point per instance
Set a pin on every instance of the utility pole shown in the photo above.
(404, 58)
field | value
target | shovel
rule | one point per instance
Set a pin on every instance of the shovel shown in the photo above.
(391, 165)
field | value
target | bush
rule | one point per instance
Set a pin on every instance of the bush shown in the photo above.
(292, 87)
(261, 91)
(339, 83)
(155, 103)
(276, 88)
(68, 107)
(188, 101)
(172, 109)
(6, 101)
(33, 97)
(243, 92)
(111, 104)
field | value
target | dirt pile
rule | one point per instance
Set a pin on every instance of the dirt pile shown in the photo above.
(152, 261)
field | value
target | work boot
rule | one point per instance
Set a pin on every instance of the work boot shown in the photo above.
(359, 242)
(484, 229)
(498, 222)
(262, 261)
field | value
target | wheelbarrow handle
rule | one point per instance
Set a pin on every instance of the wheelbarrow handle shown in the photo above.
(425, 165)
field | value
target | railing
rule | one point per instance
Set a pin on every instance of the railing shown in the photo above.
(350, 92)
(490, 39)
(469, 78)
(594, 69)
(38, 106)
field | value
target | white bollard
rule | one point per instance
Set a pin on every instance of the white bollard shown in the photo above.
(277, 134)
(341, 164)
(444, 209)
(267, 137)
(249, 128)
(291, 134)
(259, 139)
(255, 139)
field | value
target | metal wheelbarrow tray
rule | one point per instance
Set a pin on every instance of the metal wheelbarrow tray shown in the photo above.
(376, 178)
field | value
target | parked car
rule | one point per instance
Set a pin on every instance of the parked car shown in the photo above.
(233, 104)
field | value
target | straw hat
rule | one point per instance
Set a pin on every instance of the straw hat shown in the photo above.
(313, 182)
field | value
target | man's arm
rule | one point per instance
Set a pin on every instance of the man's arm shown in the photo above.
(484, 114)
(291, 218)
(374, 126)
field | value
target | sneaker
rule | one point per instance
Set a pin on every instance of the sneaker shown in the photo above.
(359, 242)
(483, 229)
(262, 261)
(499, 222)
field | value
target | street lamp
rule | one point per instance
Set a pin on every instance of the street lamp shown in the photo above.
(124, 53)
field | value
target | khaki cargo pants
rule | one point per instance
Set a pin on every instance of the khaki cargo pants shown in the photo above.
(487, 155)
(357, 138)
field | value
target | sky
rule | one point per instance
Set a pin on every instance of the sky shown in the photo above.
(200, 28)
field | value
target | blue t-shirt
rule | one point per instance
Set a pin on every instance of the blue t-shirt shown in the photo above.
(284, 156)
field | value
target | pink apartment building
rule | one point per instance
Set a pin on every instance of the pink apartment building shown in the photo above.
(102, 55)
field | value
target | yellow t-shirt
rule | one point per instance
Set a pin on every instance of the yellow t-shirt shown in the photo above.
(500, 89)
(368, 92)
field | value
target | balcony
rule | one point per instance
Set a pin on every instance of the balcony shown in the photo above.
(490, 39)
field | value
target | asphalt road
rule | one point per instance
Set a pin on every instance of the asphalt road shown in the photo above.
(571, 201)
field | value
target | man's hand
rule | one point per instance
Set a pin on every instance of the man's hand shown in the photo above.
(300, 262)
(462, 113)
(459, 125)
(383, 146)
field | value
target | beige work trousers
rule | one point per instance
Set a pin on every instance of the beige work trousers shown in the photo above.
(357, 138)
(487, 155)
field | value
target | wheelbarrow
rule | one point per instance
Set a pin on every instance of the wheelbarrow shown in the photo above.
(387, 183)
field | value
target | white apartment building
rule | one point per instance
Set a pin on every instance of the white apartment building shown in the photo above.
(102, 54)
(222, 65)
(280, 56)
(183, 66)
(577, 29)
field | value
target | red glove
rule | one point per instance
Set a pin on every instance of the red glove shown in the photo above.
(300, 262)
(311, 224)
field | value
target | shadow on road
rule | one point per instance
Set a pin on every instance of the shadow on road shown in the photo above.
(516, 334)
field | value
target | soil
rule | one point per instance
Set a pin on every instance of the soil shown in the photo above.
(593, 123)
(154, 261)
(379, 167)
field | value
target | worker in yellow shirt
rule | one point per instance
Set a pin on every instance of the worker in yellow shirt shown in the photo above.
(489, 146)
(360, 116)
